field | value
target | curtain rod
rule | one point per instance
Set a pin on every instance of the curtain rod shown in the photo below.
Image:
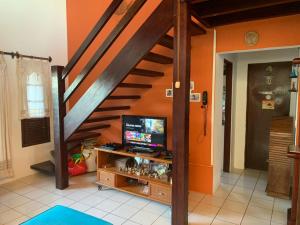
(18, 55)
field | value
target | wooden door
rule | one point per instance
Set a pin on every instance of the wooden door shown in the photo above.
(227, 118)
(268, 96)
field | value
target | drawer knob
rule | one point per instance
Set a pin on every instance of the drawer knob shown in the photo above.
(161, 193)
(107, 179)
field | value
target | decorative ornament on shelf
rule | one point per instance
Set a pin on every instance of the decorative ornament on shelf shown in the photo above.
(125, 5)
(251, 38)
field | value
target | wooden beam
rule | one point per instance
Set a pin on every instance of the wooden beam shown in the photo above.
(196, 29)
(255, 14)
(59, 112)
(181, 76)
(213, 8)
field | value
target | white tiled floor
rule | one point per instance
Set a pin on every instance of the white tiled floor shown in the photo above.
(239, 200)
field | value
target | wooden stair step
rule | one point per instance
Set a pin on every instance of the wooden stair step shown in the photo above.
(134, 85)
(146, 73)
(101, 118)
(82, 136)
(113, 108)
(72, 146)
(92, 127)
(46, 167)
(196, 29)
(118, 97)
(157, 58)
(167, 41)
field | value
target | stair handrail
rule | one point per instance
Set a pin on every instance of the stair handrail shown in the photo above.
(91, 36)
(104, 47)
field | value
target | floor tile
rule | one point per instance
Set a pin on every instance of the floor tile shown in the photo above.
(261, 213)
(3, 208)
(14, 202)
(279, 217)
(92, 200)
(195, 196)
(212, 200)
(250, 220)
(108, 205)
(144, 217)
(62, 201)
(239, 197)
(9, 216)
(230, 216)
(36, 194)
(115, 220)
(48, 199)
(234, 206)
(282, 205)
(121, 197)
(96, 212)
(220, 222)
(260, 202)
(155, 207)
(138, 202)
(18, 220)
(125, 211)
(206, 210)
(162, 221)
(28, 207)
(80, 207)
(128, 222)
(78, 195)
(38, 211)
(197, 219)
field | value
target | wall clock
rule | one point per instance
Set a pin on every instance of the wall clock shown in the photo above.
(251, 38)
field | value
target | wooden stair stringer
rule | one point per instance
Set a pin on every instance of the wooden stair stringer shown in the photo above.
(159, 23)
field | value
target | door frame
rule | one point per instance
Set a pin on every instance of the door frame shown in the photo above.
(228, 72)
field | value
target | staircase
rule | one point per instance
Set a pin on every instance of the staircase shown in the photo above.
(85, 120)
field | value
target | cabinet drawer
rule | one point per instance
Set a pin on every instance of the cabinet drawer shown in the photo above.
(106, 178)
(161, 193)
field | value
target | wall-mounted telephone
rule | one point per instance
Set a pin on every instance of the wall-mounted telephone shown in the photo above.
(204, 98)
(204, 106)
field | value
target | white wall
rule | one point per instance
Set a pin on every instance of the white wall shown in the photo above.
(240, 95)
(33, 27)
(218, 129)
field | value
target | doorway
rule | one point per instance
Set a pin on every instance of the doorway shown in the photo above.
(267, 96)
(226, 117)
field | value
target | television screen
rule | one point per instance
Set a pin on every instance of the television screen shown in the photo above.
(143, 131)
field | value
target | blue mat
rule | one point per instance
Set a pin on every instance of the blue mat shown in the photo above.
(60, 215)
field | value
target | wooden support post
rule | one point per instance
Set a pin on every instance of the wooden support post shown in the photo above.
(59, 112)
(181, 104)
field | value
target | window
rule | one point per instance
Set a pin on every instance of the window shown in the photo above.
(34, 78)
(35, 96)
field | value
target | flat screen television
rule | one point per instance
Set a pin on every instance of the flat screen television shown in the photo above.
(144, 131)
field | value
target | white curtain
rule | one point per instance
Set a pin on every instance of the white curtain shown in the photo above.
(34, 85)
(5, 123)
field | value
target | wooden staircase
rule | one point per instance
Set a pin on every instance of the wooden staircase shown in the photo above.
(84, 119)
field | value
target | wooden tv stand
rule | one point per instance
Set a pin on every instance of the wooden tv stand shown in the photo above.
(109, 176)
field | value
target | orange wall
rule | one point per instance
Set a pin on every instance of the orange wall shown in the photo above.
(81, 18)
(273, 33)
(276, 32)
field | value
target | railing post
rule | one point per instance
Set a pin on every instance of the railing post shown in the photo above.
(59, 112)
(181, 104)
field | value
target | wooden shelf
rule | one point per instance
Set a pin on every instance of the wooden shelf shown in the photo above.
(159, 159)
(293, 90)
(143, 178)
(109, 175)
